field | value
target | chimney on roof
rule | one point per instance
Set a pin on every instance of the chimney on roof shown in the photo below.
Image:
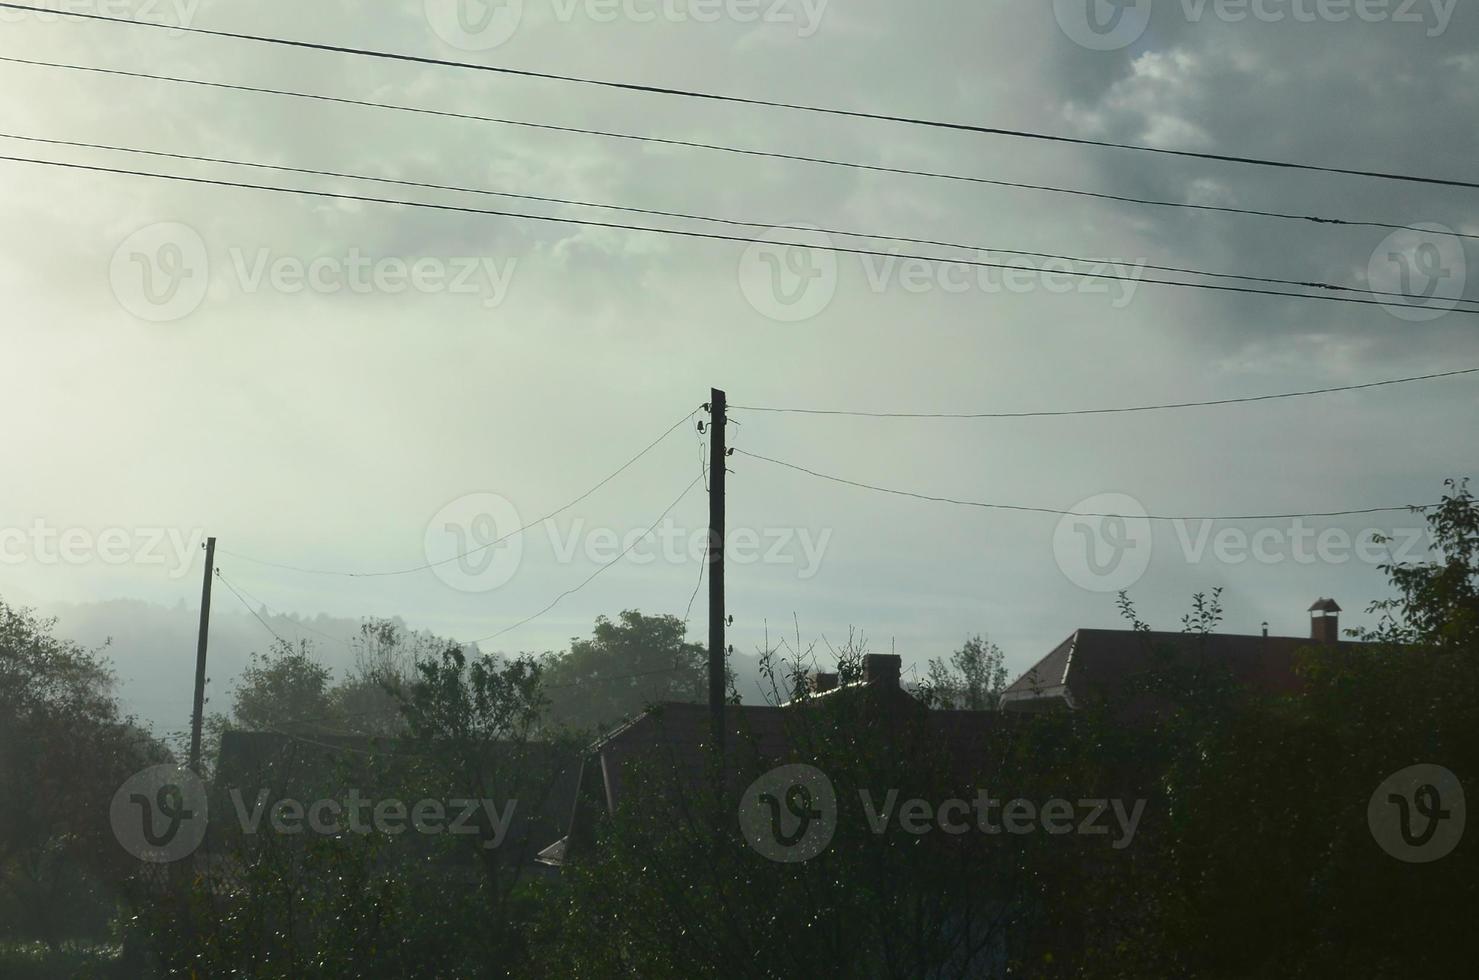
(821, 683)
(883, 669)
(1325, 621)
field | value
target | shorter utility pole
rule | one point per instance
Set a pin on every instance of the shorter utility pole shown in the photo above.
(718, 457)
(198, 717)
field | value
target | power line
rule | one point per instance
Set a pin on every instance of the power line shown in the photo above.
(239, 598)
(301, 626)
(1070, 513)
(569, 592)
(688, 613)
(754, 101)
(764, 154)
(687, 216)
(1106, 411)
(466, 554)
(703, 470)
(714, 236)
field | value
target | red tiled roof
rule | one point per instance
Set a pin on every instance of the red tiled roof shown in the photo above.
(1093, 661)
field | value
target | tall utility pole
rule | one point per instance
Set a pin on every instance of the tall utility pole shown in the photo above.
(197, 718)
(717, 459)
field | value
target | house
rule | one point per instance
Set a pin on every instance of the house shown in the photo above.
(677, 736)
(1092, 662)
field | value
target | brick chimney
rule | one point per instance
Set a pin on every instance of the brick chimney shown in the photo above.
(821, 683)
(882, 668)
(1325, 621)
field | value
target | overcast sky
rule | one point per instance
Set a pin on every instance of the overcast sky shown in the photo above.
(169, 368)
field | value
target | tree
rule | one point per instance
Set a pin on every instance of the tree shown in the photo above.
(624, 667)
(453, 900)
(386, 656)
(972, 680)
(285, 689)
(1270, 798)
(65, 747)
(1437, 603)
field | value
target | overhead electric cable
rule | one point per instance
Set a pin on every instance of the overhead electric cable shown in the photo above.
(569, 592)
(750, 100)
(301, 626)
(688, 216)
(1104, 411)
(247, 606)
(511, 534)
(1069, 513)
(714, 236)
(765, 154)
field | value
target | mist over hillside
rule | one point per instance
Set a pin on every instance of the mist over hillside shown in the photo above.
(152, 648)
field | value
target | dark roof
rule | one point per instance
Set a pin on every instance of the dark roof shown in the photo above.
(677, 736)
(1049, 676)
(679, 733)
(1325, 605)
(1093, 661)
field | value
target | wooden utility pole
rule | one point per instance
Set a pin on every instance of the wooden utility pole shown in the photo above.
(198, 717)
(718, 457)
